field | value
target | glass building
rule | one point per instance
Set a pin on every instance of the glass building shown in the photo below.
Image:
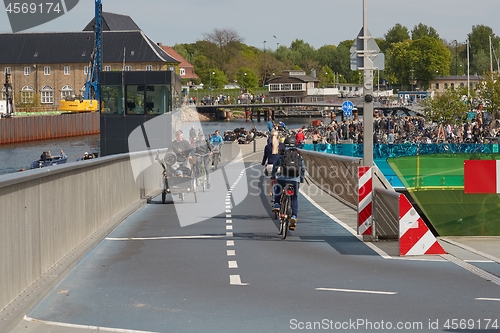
(129, 99)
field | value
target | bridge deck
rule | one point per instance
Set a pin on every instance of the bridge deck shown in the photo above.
(159, 272)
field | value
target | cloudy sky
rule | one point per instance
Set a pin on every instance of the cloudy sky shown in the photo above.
(317, 22)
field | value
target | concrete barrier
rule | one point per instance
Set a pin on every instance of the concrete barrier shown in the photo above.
(336, 175)
(49, 212)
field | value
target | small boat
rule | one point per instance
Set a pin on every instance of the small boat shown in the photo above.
(46, 159)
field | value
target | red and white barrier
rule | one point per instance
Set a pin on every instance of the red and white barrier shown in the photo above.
(415, 238)
(365, 199)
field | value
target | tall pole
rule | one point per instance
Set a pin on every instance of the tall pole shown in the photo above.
(468, 73)
(456, 57)
(368, 100)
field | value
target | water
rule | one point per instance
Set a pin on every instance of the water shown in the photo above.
(20, 155)
(15, 156)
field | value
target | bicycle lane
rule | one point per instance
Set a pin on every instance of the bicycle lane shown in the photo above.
(322, 271)
(153, 275)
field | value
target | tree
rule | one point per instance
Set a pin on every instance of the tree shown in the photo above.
(398, 63)
(247, 78)
(479, 41)
(429, 57)
(447, 107)
(226, 43)
(421, 30)
(397, 34)
(488, 93)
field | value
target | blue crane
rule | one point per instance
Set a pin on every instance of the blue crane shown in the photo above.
(92, 90)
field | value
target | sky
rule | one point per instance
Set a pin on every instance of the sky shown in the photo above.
(269, 23)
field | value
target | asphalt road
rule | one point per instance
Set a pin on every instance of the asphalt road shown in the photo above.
(231, 272)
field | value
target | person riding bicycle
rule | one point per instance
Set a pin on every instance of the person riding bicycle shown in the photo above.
(202, 147)
(216, 141)
(288, 177)
(183, 153)
(271, 153)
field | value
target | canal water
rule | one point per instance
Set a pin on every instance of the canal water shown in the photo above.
(14, 157)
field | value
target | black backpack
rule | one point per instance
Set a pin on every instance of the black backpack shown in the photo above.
(291, 163)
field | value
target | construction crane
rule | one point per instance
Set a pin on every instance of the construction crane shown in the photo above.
(90, 100)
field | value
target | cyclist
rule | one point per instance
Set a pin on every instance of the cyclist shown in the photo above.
(271, 153)
(183, 152)
(284, 179)
(202, 147)
(216, 141)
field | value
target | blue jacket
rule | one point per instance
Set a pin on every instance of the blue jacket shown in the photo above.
(216, 139)
(277, 164)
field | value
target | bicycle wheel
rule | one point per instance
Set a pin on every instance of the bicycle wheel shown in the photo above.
(216, 160)
(285, 218)
(194, 185)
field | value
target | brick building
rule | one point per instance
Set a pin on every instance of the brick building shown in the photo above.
(47, 67)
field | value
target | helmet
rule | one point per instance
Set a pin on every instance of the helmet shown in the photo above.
(290, 141)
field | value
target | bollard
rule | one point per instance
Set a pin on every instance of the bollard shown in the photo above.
(254, 145)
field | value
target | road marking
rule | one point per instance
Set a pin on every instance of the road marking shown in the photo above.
(229, 243)
(229, 234)
(229, 227)
(228, 215)
(231, 252)
(229, 221)
(488, 299)
(161, 238)
(236, 280)
(232, 264)
(92, 328)
(359, 291)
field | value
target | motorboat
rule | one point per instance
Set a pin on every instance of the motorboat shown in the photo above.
(46, 159)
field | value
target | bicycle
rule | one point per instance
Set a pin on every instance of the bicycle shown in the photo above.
(201, 172)
(215, 155)
(285, 212)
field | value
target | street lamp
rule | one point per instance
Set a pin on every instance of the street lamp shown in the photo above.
(411, 70)
(210, 88)
(456, 57)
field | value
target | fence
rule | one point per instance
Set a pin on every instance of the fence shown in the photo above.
(20, 129)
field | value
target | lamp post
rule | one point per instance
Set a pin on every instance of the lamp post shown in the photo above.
(210, 88)
(411, 70)
(456, 57)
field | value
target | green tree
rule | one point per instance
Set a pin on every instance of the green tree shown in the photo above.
(449, 106)
(225, 44)
(421, 30)
(479, 42)
(488, 93)
(429, 57)
(247, 78)
(397, 34)
(399, 64)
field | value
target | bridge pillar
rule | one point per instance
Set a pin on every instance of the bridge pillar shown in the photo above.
(273, 112)
(258, 116)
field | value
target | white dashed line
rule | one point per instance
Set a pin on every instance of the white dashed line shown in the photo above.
(359, 291)
(236, 280)
(232, 264)
(231, 253)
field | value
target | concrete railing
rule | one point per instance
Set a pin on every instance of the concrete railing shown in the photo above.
(336, 175)
(47, 213)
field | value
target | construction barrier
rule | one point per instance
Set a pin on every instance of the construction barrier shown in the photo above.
(365, 196)
(394, 213)
(415, 238)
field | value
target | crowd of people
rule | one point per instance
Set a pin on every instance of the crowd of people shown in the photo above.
(403, 129)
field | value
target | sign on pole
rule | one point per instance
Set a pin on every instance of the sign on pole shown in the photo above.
(347, 107)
